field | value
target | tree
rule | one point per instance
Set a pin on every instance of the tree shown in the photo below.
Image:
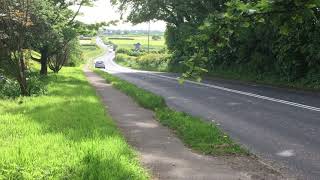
(15, 22)
(56, 24)
(264, 38)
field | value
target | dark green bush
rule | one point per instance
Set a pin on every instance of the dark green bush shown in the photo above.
(9, 88)
(149, 62)
(130, 52)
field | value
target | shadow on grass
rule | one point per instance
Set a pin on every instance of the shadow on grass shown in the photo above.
(76, 138)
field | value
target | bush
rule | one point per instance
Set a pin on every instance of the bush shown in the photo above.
(149, 62)
(123, 51)
(9, 88)
(36, 84)
(156, 38)
(75, 56)
(130, 52)
(154, 61)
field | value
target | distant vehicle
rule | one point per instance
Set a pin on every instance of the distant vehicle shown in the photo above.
(99, 64)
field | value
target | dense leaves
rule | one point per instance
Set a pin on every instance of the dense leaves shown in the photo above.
(45, 26)
(259, 38)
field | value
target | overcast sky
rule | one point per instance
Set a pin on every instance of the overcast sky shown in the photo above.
(103, 11)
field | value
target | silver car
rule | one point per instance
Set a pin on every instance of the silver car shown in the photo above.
(99, 64)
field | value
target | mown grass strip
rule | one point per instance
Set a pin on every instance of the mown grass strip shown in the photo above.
(196, 133)
(66, 134)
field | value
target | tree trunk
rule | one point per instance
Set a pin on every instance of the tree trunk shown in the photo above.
(22, 78)
(44, 61)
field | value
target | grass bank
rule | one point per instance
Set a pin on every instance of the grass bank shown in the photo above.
(66, 134)
(199, 135)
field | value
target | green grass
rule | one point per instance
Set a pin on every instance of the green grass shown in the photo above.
(91, 52)
(129, 44)
(196, 133)
(66, 134)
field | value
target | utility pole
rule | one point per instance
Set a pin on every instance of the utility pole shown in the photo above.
(149, 37)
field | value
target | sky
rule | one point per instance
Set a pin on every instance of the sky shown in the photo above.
(103, 11)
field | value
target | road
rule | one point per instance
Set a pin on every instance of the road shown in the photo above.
(280, 126)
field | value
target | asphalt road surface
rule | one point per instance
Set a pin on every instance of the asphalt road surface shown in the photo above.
(280, 126)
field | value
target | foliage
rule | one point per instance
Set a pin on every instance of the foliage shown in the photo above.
(149, 62)
(195, 132)
(265, 38)
(64, 135)
(45, 26)
(9, 87)
(130, 52)
(156, 38)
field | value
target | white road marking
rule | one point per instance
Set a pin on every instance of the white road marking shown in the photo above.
(221, 88)
(286, 153)
(244, 93)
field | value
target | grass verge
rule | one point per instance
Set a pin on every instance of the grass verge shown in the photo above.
(201, 136)
(89, 53)
(63, 135)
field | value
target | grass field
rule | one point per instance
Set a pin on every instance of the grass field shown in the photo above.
(66, 134)
(129, 44)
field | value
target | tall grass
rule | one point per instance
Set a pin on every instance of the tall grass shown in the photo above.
(64, 135)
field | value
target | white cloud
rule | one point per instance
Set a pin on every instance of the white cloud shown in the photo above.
(103, 11)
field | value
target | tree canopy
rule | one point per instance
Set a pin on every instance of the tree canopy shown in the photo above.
(265, 38)
(46, 26)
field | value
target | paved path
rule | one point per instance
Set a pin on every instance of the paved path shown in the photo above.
(162, 152)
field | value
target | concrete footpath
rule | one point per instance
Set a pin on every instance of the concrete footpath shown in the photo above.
(162, 153)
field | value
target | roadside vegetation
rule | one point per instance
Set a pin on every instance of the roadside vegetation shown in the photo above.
(271, 42)
(64, 134)
(128, 41)
(90, 51)
(144, 61)
(44, 31)
(199, 135)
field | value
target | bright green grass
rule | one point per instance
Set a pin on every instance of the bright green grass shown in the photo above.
(64, 135)
(196, 133)
(129, 44)
(91, 52)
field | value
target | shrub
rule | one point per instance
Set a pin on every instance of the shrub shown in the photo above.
(154, 61)
(123, 51)
(156, 38)
(9, 88)
(130, 52)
